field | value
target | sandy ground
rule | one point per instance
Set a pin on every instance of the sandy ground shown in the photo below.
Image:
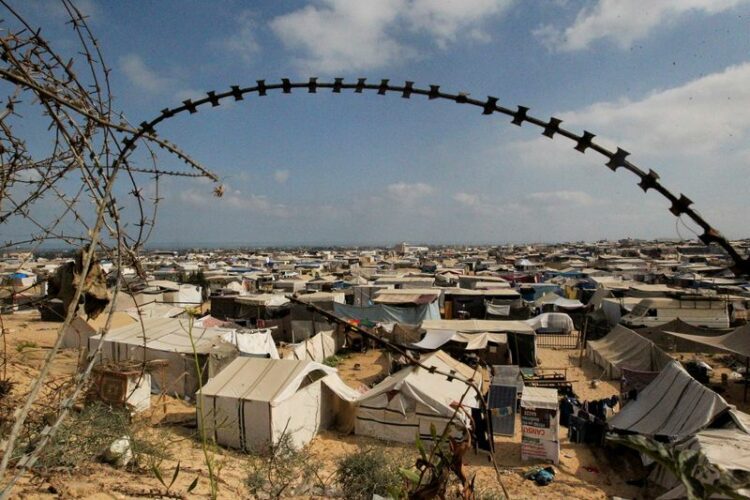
(583, 472)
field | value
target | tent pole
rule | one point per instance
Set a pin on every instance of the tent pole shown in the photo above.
(747, 366)
(583, 340)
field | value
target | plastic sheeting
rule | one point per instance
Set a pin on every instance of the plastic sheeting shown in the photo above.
(623, 347)
(551, 321)
(434, 339)
(727, 449)
(388, 314)
(674, 405)
(252, 343)
(497, 310)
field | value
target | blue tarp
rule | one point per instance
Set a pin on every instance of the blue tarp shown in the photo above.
(380, 313)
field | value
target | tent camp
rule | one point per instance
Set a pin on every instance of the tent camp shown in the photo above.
(254, 402)
(623, 348)
(674, 405)
(408, 402)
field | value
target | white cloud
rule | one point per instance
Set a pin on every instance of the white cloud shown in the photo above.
(235, 199)
(558, 198)
(624, 21)
(244, 42)
(404, 192)
(698, 119)
(281, 176)
(142, 76)
(481, 206)
(354, 35)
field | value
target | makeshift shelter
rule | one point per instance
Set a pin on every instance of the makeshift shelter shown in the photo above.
(551, 323)
(167, 339)
(553, 299)
(727, 449)
(735, 342)
(521, 336)
(674, 405)
(253, 402)
(408, 402)
(258, 343)
(623, 348)
(381, 313)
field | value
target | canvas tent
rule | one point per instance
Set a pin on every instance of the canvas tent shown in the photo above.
(254, 401)
(674, 405)
(167, 339)
(736, 342)
(77, 334)
(662, 336)
(317, 348)
(551, 298)
(408, 402)
(623, 348)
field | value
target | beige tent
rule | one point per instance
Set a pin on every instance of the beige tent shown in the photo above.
(410, 401)
(167, 339)
(623, 348)
(317, 348)
(255, 401)
(77, 334)
(674, 405)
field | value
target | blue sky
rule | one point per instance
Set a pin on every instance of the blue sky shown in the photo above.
(667, 80)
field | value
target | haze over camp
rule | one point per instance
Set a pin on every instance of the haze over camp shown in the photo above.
(396, 249)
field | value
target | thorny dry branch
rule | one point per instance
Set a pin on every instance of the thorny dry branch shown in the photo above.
(72, 183)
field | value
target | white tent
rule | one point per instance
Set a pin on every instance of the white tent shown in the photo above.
(168, 339)
(673, 405)
(409, 401)
(623, 348)
(551, 322)
(255, 401)
(434, 339)
(317, 348)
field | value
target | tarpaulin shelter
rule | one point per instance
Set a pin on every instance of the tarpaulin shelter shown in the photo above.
(735, 342)
(623, 348)
(252, 342)
(727, 449)
(381, 313)
(408, 402)
(551, 322)
(521, 336)
(254, 401)
(674, 405)
(168, 339)
(551, 298)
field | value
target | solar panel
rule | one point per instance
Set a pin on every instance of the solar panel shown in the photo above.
(502, 404)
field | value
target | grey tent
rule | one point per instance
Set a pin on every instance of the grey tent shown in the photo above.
(674, 405)
(623, 348)
(736, 342)
(661, 336)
